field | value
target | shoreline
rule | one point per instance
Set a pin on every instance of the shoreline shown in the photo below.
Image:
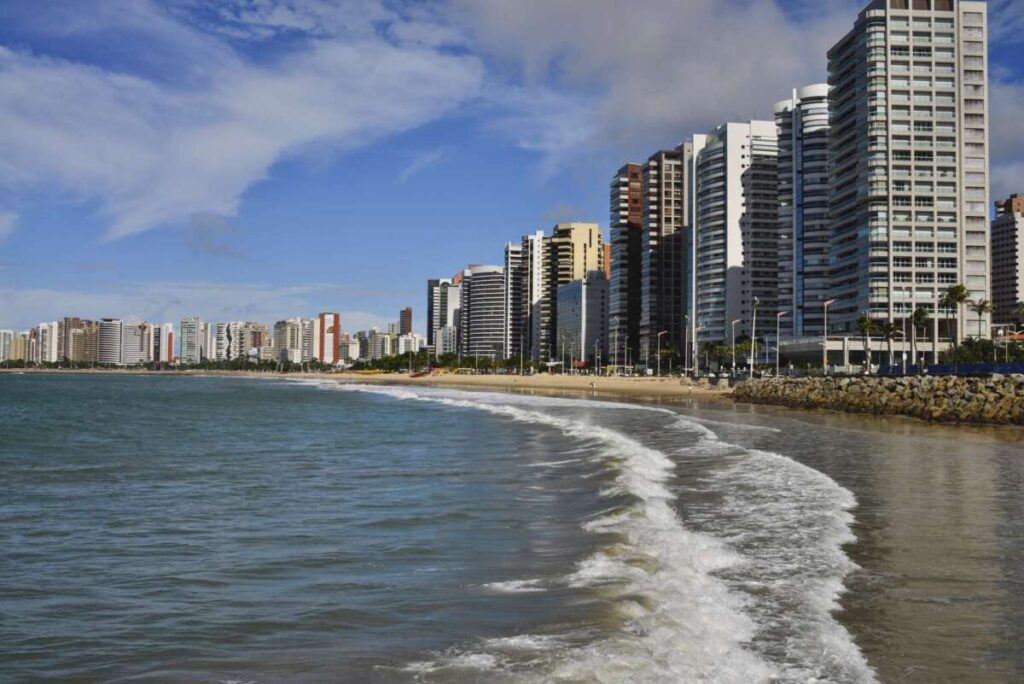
(636, 388)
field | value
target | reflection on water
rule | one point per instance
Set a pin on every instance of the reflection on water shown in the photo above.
(939, 596)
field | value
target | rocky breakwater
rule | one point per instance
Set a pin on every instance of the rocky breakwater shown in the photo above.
(997, 399)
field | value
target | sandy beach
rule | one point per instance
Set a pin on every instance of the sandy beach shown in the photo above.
(650, 388)
(637, 388)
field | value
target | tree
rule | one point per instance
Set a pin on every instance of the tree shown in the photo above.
(981, 307)
(953, 298)
(919, 319)
(867, 325)
(889, 331)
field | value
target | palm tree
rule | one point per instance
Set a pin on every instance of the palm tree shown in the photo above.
(867, 325)
(981, 307)
(953, 298)
(920, 318)
(889, 332)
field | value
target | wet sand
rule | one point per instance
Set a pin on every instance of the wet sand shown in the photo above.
(636, 388)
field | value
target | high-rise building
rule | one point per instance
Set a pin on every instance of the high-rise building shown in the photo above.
(574, 251)
(228, 337)
(111, 339)
(381, 345)
(536, 306)
(664, 245)
(483, 312)
(909, 163)
(626, 224)
(802, 123)
(194, 340)
(411, 343)
(443, 299)
(136, 343)
(327, 338)
(736, 209)
(446, 341)
(78, 340)
(515, 316)
(6, 340)
(293, 340)
(1008, 261)
(20, 347)
(405, 321)
(583, 319)
(348, 348)
(48, 342)
(163, 343)
(65, 336)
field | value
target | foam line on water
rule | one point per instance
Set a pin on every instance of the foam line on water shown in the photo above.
(692, 627)
(692, 623)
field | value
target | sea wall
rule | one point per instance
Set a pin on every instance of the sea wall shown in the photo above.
(997, 399)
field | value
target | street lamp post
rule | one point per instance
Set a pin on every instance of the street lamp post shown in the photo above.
(753, 339)
(738, 320)
(824, 346)
(686, 346)
(663, 332)
(778, 328)
(696, 352)
(561, 355)
(618, 361)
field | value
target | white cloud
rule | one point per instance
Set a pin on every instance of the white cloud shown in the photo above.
(8, 219)
(172, 301)
(154, 153)
(420, 162)
(1005, 21)
(645, 75)
(1007, 138)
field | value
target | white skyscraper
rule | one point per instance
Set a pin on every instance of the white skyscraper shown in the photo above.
(194, 340)
(48, 342)
(515, 318)
(483, 312)
(909, 164)
(136, 343)
(111, 339)
(804, 237)
(736, 207)
(6, 339)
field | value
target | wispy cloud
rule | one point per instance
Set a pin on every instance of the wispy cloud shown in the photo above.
(212, 235)
(1007, 137)
(420, 162)
(154, 153)
(8, 221)
(1005, 22)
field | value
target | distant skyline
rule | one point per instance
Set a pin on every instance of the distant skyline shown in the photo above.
(261, 159)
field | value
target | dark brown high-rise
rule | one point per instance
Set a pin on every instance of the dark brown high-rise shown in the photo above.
(405, 321)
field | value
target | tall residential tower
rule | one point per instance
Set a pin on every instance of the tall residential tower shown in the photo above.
(909, 163)
(802, 123)
(1008, 261)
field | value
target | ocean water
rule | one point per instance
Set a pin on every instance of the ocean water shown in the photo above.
(251, 530)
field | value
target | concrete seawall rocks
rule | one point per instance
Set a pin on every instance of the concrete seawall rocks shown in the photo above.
(948, 399)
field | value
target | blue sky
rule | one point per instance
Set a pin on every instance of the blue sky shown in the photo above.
(257, 159)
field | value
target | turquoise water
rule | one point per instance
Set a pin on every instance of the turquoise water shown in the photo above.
(245, 530)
